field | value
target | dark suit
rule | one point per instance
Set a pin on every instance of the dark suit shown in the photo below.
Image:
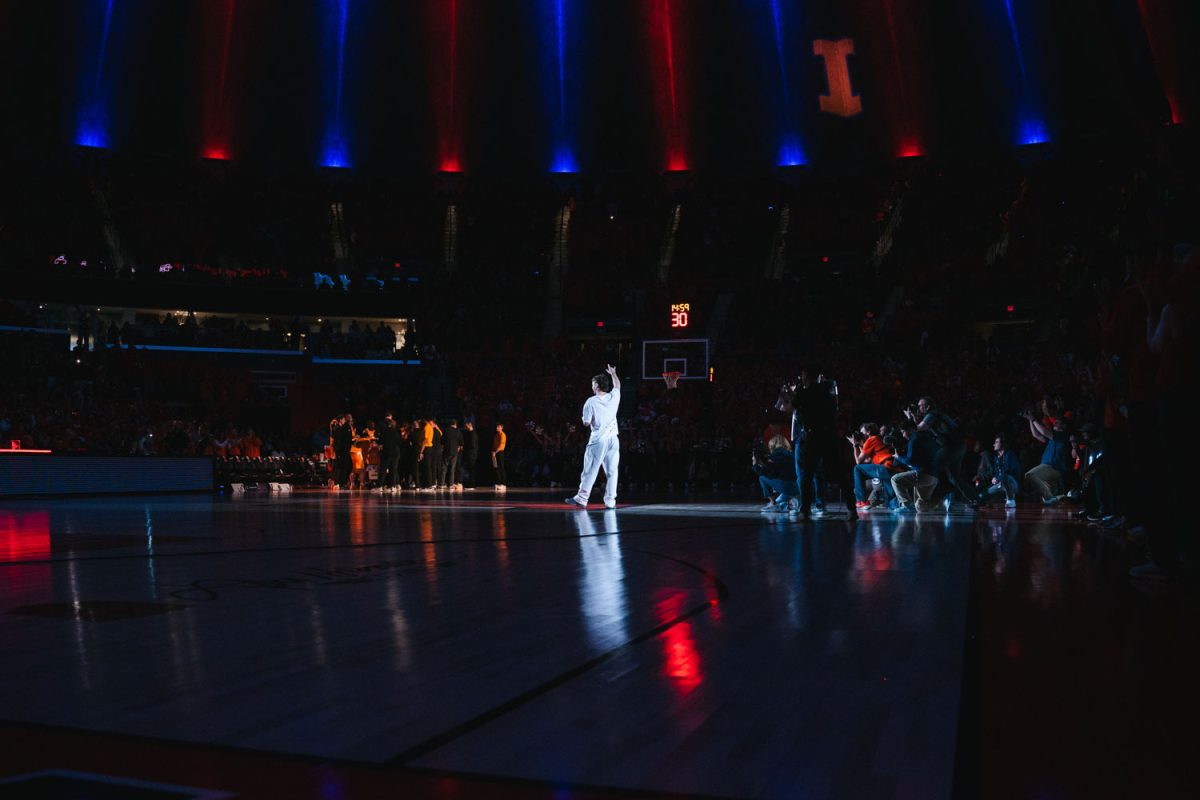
(342, 440)
(389, 456)
(452, 443)
(470, 455)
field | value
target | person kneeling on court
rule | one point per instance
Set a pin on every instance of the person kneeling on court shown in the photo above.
(777, 473)
(915, 486)
(603, 448)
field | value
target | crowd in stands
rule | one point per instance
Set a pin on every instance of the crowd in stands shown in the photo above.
(321, 339)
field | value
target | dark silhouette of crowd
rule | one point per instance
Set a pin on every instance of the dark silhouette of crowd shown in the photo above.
(1044, 304)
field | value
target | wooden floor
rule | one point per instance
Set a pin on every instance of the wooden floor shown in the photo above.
(480, 645)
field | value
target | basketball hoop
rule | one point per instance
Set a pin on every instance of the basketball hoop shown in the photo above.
(672, 379)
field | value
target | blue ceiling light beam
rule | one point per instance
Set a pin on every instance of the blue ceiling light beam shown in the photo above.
(93, 129)
(1031, 130)
(791, 154)
(335, 148)
(791, 150)
(1016, 38)
(559, 35)
(564, 161)
(777, 24)
(1030, 126)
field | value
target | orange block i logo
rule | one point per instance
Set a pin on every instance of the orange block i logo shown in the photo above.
(841, 99)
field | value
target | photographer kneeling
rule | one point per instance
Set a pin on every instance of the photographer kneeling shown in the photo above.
(1047, 477)
(776, 473)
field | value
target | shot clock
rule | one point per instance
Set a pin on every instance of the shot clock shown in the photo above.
(680, 315)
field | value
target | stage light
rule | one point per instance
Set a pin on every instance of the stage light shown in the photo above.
(216, 154)
(93, 138)
(790, 154)
(1032, 131)
(564, 162)
(335, 154)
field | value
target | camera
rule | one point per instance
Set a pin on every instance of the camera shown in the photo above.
(787, 394)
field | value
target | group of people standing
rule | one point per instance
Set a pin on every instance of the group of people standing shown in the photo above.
(425, 455)
(421, 454)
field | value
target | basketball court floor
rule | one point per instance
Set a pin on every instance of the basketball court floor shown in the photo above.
(329, 645)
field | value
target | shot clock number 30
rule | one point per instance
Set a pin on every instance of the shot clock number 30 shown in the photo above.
(680, 312)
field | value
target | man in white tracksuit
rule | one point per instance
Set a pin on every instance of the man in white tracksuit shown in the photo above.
(603, 448)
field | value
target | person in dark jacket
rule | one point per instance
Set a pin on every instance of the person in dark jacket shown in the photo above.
(469, 455)
(915, 486)
(389, 456)
(777, 474)
(452, 446)
(820, 453)
(1047, 477)
(1000, 473)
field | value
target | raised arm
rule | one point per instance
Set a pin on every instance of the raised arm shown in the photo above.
(612, 373)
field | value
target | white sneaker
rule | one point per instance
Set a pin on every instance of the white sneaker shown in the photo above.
(1010, 503)
(770, 506)
(610, 503)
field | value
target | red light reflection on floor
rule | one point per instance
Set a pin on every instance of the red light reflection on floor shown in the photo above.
(868, 567)
(682, 659)
(24, 535)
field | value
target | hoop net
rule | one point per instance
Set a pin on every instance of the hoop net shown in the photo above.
(672, 379)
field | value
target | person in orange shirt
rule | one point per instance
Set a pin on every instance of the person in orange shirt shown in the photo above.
(873, 460)
(425, 454)
(499, 442)
(235, 443)
(252, 444)
(363, 442)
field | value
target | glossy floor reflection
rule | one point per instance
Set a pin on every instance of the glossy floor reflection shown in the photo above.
(689, 647)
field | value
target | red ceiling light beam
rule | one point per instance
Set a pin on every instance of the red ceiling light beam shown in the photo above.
(219, 66)
(667, 60)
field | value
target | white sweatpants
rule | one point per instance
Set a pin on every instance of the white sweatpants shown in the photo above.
(602, 453)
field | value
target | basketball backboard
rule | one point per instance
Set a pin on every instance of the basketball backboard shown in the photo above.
(688, 357)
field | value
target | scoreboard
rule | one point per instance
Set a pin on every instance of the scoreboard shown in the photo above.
(681, 314)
